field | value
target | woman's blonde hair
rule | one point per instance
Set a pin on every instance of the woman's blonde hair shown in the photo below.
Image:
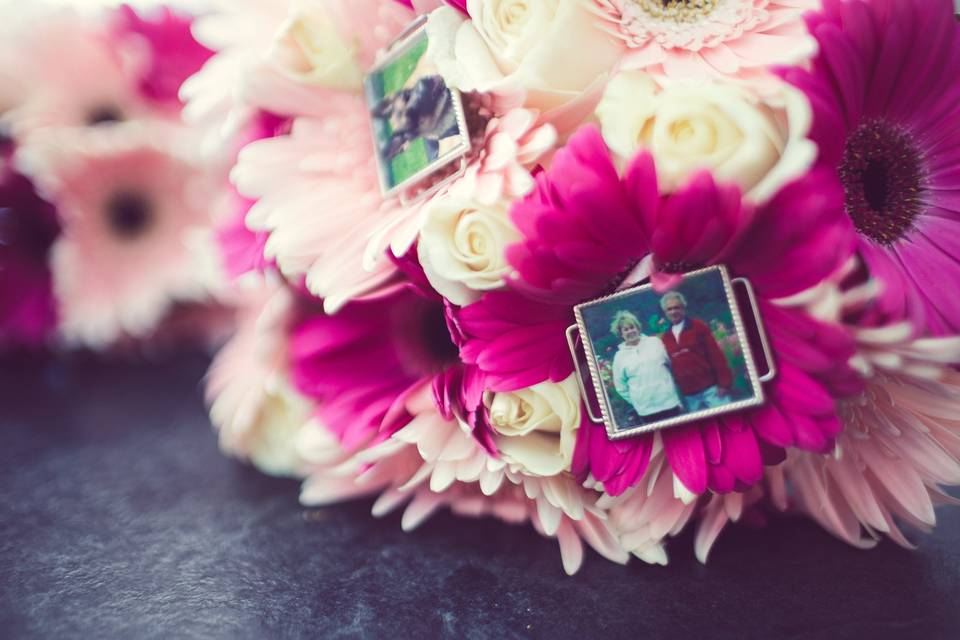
(624, 316)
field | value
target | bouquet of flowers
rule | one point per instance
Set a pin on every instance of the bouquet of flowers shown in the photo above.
(610, 267)
(108, 208)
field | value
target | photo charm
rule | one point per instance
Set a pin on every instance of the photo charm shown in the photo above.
(659, 359)
(418, 123)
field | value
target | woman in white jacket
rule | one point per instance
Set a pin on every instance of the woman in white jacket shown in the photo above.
(641, 371)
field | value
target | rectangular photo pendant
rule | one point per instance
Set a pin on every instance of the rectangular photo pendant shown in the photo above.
(418, 123)
(659, 359)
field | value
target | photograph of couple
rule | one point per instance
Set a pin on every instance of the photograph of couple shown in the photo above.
(414, 115)
(672, 356)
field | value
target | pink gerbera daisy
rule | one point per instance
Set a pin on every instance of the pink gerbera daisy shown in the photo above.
(705, 38)
(239, 32)
(317, 197)
(431, 463)
(129, 202)
(889, 126)
(901, 445)
(582, 214)
(253, 407)
(79, 75)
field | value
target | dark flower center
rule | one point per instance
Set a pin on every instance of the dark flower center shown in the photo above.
(883, 179)
(104, 114)
(6, 140)
(619, 280)
(679, 267)
(129, 214)
(423, 338)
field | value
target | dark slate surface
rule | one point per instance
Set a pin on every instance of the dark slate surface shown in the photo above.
(120, 520)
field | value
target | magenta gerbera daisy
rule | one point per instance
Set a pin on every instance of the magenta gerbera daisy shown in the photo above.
(28, 229)
(587, 230)
(173, 53)
(363, 363)
(887, 118)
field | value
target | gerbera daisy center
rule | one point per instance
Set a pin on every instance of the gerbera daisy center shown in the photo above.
(422, 337)
(129, 214)
(104, 114)
(883, 178)
(678, 10)
(6, 140)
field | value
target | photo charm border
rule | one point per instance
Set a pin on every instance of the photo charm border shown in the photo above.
(600, 390)
(393, 51)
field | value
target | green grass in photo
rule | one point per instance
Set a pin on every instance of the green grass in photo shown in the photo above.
(396, 74)
(408, 162)
(374, 87)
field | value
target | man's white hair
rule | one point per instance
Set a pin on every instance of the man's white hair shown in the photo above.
(673, 295)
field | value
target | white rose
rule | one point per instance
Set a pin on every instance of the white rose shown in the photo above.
(536, 427)
(272, 443)
(309, 49)
(260, 419)
(462, 246)
(760, 144)
(512, 27)
(552, 49)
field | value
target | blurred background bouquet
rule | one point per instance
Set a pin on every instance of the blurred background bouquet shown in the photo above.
(109, 205)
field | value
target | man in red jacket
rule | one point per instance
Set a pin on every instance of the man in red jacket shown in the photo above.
(699, 366)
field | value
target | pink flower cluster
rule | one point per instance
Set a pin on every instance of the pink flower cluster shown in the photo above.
(108, 210)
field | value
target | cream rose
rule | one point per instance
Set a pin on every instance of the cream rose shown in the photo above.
(259, 420)
(757, 143)
(536, 427)
(272, 443)
(462, 246)
(551, 49)
(512, 27)
(309, 49)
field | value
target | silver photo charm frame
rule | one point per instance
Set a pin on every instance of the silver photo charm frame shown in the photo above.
(404, 154)
(617, 413)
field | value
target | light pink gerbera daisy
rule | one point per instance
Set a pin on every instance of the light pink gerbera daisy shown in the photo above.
(700, 39)
(900, 446)
(270, 56)
(239, 32)
(79, 74)
(129, 201)
(652, 511)
(14, 80)
(432, 462)
(316, 189)
(317, 196)
(253, 406)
